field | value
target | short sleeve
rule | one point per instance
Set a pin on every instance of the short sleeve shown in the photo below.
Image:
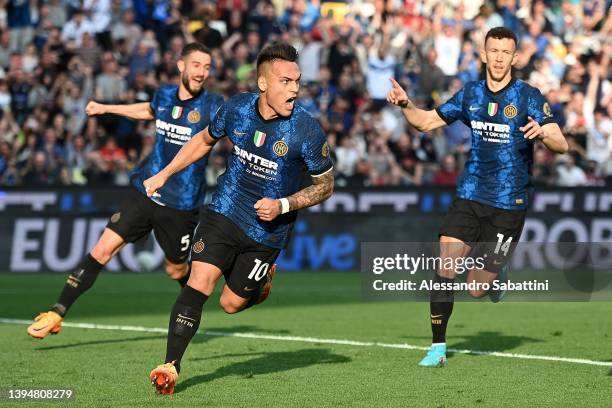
(215, 105)
(216, 128)
(154, 102)
(452, 109)
(539, 109)
(315, 151)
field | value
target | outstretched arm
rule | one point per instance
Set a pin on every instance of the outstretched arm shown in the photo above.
(199, 146)
(139, 111)
(320, 190)
(422, 120)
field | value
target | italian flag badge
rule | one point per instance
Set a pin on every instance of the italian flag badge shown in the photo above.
(492, 108)
(259, 138)
(176, 112)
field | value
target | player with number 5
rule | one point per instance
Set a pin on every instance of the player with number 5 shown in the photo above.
(180, 112)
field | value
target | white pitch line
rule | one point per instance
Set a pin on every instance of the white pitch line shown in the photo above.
(321, 341)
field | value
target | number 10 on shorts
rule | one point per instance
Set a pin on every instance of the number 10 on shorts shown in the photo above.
(259, 270)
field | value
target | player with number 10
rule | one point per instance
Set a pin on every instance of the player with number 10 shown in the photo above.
(253, 210)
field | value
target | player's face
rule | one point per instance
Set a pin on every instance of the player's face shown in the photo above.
(499, 55)
(281, 82)
(194, 69)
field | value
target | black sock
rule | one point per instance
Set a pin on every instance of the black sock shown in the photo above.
(78, 282)
(184, 323)
(183, 281)
(441, 308)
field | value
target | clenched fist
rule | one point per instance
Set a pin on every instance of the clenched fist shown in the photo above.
(94, 108)
(268, 208)
(154, 183)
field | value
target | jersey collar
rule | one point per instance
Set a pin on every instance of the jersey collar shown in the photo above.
(202, 93)
(278, 118)
(508, 85)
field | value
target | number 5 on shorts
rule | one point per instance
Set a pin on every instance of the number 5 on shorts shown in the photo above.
(185, 242)
(259, 270)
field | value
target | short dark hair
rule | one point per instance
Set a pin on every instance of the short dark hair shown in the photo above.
(193, 47)
(277, 51)
(501, 32)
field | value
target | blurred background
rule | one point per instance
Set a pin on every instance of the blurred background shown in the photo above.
(56, 55)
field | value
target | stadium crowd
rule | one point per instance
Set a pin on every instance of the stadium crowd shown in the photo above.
(56, 55)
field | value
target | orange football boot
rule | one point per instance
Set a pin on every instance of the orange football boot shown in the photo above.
(45, 323)
(164, 378)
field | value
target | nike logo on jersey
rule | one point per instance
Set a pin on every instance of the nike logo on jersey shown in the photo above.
(237, 133)
(474, 108)
(161, 109)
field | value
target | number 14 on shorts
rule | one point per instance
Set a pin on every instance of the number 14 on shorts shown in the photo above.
(501, 245)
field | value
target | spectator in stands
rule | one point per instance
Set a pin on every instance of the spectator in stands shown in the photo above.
(542, 170)
(19, 17)
(568, 174)
(54, 53)
(38, 172)
(72, 32)
(5, 49)
(448, 172)
(127, 30)
(381, 67)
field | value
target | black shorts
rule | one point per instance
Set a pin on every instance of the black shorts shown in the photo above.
(173, 228)
(243, 261)
(491, 232)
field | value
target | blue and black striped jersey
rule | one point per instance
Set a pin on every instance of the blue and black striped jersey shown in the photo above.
(176, 122)
(267, 160)
(498, 169)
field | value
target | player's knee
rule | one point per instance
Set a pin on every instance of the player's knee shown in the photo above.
(230, 306)
(102, 253)
(447, 273)
(477, 293)
(202, 281)
(176, 271)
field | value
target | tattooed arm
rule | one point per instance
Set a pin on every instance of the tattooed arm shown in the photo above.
(320, 190)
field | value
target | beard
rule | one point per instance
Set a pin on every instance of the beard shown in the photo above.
(499, 77)
(185, 80)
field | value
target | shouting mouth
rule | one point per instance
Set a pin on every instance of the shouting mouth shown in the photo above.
(289, 102)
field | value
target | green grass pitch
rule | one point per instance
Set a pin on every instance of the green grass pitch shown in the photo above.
(109, 368)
